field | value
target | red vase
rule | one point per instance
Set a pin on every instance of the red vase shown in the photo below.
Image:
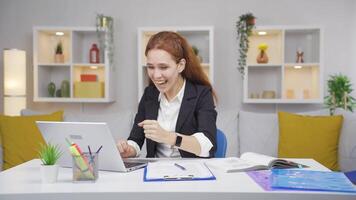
(94, 54)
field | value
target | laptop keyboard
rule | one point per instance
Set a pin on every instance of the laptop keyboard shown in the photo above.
(131, 164)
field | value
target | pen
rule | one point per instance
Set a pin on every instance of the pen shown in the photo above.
(89, 150)
(99, 149)
(91, 155)
(180, 166)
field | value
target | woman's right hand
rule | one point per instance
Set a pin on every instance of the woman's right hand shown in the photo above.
(125, 149)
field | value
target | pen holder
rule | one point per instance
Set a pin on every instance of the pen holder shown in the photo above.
(85, 167)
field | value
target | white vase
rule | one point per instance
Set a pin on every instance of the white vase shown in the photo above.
(49, 173)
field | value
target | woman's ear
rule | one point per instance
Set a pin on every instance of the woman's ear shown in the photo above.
(181, 65)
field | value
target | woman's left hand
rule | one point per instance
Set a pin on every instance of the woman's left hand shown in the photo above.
(155, 132)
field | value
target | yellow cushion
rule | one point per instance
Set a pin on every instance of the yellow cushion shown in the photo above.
(314, 137)
(21, 137)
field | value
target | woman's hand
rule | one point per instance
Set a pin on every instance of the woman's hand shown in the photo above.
(125, 149)
(155, 132)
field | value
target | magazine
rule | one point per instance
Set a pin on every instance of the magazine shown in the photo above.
(250, 161)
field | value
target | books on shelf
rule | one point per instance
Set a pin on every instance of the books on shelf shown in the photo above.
(311, 180)
(88, 78)
(249, 161)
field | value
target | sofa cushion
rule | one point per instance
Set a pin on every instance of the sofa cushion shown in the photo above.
(258, 133)
(227, 122)
(21, 137)
(316, 137)
(347, 142)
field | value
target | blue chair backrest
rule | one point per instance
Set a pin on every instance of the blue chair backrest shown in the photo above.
(221, 144)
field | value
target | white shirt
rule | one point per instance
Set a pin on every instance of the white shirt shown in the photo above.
(167, 118)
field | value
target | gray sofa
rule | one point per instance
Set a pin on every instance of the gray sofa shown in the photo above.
(245, 131)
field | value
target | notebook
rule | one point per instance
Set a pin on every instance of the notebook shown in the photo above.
(311, 180)
(84, 134)
(250, 161)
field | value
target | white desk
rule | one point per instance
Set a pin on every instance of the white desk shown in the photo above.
(23, 182)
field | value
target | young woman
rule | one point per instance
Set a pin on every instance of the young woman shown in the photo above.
(176, 114)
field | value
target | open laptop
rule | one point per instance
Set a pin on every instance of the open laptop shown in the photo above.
(83, 134)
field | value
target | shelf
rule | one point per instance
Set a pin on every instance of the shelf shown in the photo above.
(51, 73)
(307, 41)
(274, 40)
(302, 83)
(283, 101)
(75, 100)
(82, 42)
(47, 42)
(199, 39)
(283, 79)
(265, 65)
(262, 81)
(77, 42)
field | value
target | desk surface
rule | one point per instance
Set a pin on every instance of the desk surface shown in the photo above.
(24, 182)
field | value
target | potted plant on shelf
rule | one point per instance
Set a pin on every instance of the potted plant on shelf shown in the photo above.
(49, 155)
(59, 57)
(244, 29)
(196, 52)
(339, 89)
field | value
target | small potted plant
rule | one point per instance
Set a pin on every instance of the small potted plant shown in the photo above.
(49, 155)
(339, 89)
(196, 52)
(244, 26)
(59, 57)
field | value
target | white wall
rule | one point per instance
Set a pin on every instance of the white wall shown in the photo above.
(17, 17)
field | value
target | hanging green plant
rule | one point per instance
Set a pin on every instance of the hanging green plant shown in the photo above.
(244, 29)
(105, 32)
(339, 89)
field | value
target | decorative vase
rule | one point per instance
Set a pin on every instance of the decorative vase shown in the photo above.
(65, 89)
(251, 21)
(59, 58)
(262, 57)
(49, 173)
(51, 89)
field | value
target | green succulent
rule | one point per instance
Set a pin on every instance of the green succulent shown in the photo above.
(195, 50)
(59, 48)
(339, 89)
(49, 154)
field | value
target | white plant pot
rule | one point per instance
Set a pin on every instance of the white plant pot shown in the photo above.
(49, 173)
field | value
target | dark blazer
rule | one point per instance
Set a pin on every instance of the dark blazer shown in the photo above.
(197, 114)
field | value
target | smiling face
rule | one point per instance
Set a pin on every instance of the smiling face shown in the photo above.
(164, 72)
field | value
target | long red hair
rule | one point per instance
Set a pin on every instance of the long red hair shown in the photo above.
(179, 48)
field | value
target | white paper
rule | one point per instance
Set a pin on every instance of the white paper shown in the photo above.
(168, 170)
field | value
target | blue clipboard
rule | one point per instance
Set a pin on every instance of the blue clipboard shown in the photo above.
(177, 178)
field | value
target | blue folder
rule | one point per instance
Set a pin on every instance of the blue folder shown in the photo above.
(352, 176)
(311, 180)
